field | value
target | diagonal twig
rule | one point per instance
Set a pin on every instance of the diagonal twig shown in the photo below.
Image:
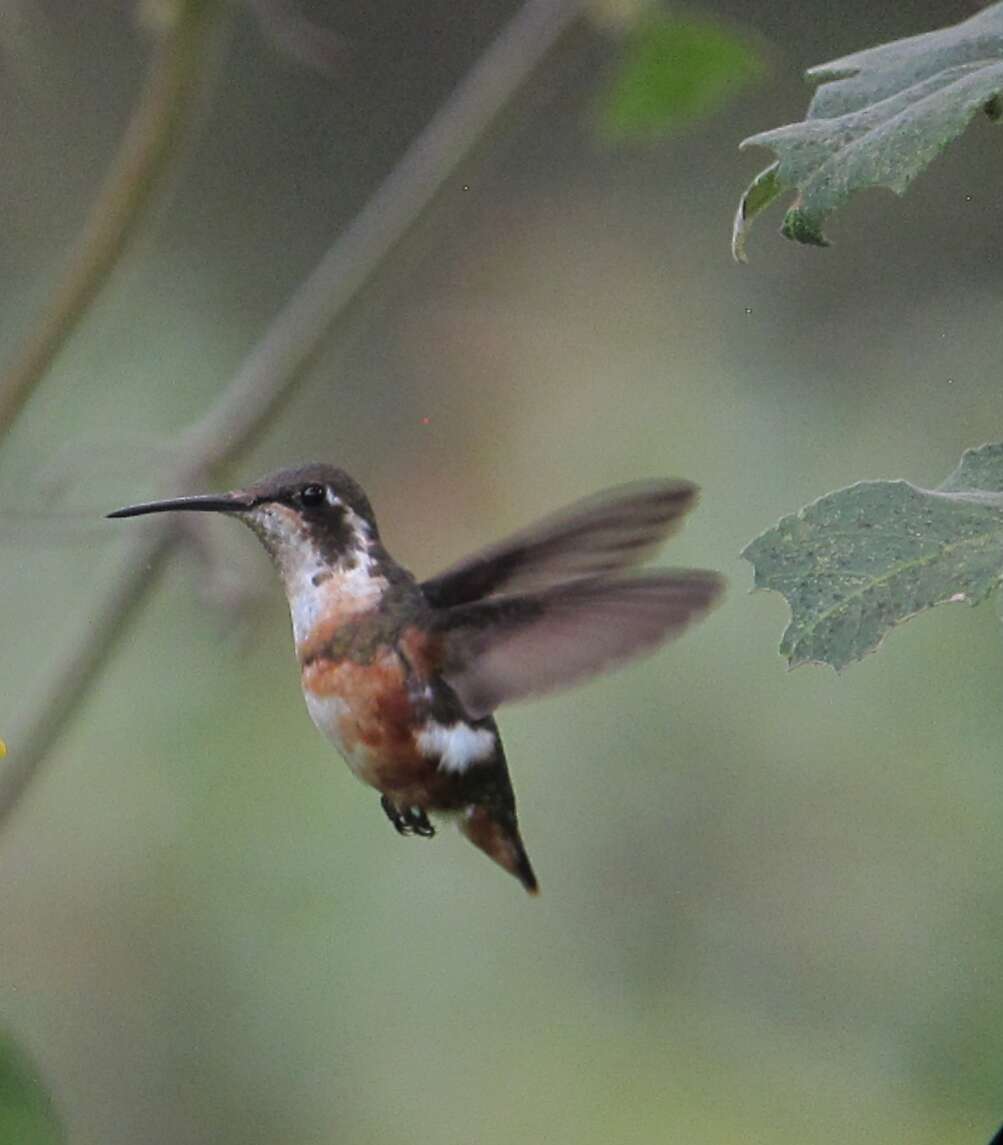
(281, 358)
(156, 127)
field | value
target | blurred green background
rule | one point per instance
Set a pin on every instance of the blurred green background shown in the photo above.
(772, 908)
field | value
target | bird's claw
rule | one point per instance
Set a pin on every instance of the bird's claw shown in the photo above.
(407, 820)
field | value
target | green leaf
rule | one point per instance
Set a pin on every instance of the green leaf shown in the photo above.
(760, 193)
(673, 69)
(878, 119)
(27, 1115)
(857, 562)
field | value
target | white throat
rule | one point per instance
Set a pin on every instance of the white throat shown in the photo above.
(319, 590)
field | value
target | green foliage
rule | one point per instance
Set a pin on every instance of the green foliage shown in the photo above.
(863, 559)
(26, 1112)
(673, 70)
(878, 119)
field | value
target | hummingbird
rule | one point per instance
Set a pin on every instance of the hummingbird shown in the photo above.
(404, 676)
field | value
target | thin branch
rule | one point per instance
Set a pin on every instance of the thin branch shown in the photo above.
(297, 334)
(79, 665)
(281, 358)
(151, 138)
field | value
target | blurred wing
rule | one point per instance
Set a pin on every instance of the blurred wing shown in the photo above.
(592, 538)
(504, 649)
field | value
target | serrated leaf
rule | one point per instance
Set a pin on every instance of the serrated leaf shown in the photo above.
(672, 70)
(879, 118)
(857, 562)
(27, 1115)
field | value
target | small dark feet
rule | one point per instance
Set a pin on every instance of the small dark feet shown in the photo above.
(407, 820)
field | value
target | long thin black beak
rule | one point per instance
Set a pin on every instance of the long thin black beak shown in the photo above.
(212, 503)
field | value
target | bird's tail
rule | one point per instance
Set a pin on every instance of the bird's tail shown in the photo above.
(497, 835)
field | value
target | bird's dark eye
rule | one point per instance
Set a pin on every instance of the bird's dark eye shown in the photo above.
(313, 495)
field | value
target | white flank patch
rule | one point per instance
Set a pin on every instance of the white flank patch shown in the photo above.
(458, 746)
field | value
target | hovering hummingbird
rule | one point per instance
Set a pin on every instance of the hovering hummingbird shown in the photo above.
(403, 676)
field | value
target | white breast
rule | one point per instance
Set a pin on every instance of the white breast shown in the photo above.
(318, 592)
